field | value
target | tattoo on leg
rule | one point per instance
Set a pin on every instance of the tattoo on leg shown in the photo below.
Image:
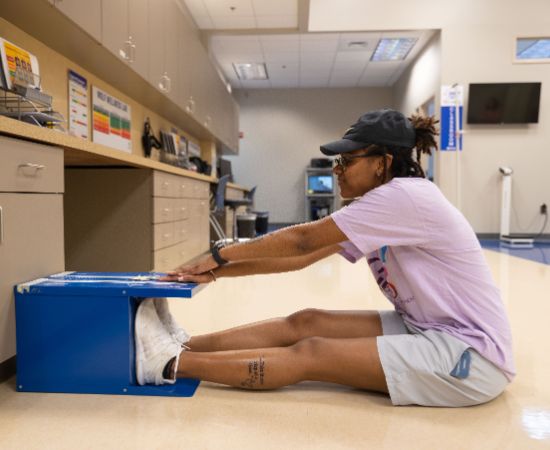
(256, 371)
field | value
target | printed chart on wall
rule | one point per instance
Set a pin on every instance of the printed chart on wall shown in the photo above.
(111, 121)
(78, 105)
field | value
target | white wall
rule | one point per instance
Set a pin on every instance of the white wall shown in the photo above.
(283, 129)
(477, 44)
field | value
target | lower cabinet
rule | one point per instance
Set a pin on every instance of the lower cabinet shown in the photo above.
(133, 220)
(31, 225)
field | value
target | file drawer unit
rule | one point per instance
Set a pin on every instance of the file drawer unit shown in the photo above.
(187, 235)
(31, 225)
(75, 333)
(121, 219)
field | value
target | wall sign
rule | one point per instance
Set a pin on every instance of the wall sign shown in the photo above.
(78, 105)
(111, 121)
(452, 101)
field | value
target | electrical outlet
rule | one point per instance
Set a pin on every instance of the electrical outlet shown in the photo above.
(543, 208)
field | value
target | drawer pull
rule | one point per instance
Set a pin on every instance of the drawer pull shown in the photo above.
(32, 166)
(166, 210)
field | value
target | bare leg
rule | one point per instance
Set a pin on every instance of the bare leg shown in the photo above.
(352, 362)
(285, 331)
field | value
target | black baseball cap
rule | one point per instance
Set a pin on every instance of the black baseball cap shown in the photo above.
(382, 127)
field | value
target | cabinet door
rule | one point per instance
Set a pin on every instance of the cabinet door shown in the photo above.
(31, 246)
(85, 13)
(156, 27)
(164, 20)
(125, 31)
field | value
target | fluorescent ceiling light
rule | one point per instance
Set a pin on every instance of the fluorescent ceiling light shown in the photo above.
(250, 71)
(393, 49)
(527, 48)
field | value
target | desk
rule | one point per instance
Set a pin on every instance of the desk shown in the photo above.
(47, 225)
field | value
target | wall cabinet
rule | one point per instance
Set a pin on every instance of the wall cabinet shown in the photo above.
(159, 41)
(124, 32)
(31, 223)
(85, 13)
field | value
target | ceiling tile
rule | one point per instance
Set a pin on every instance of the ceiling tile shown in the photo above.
(311, 82)
(278, 66)
(239, 57)
(353, 56)
(241, 47)
(320, 36)
(196, 8)
(281, 45)
(227, 22)
(320, 57)
(255, 84)
(279, 37)
(282, 57)
(284, 84)
(275, 70)
(319, 45)
(237, 38)
(277, 21)
(223, 7)
(345, 76)
(314, 72)
(270, 7)
(354, 66)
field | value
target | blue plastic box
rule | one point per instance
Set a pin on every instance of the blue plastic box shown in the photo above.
(75, 333)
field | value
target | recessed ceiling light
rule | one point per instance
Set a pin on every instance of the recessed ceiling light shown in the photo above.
(250, 71)
(393, 49)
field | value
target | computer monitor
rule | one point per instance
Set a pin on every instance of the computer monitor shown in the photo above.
(320, 184)
(224, 168)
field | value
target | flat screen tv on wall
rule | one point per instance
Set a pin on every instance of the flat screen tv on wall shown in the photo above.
(502, 103)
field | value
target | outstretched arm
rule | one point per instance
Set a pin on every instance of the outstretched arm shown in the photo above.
(297, 240)
(255, 266)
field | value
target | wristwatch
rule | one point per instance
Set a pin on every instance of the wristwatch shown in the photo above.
(216, 253)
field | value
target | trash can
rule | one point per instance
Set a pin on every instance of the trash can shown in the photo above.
(262, 222)
(246, 225)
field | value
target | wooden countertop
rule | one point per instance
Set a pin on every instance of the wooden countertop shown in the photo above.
(81, 152)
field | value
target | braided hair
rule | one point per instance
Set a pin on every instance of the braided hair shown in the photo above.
(403, 164)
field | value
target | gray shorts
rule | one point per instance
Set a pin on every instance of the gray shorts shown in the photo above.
(432, 368)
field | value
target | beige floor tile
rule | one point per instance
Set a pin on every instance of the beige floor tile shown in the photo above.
(307, 415)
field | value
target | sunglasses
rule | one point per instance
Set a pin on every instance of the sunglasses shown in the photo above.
(344, 161)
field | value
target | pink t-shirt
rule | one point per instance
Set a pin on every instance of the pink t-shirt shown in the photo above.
(428, 262)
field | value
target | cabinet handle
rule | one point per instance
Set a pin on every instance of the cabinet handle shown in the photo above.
(132, 50)
(124, 52)
(1, 226)
(190, 108)
(35, 167)
(165, 83)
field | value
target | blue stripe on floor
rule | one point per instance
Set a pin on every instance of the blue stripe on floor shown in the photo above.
(539, 252)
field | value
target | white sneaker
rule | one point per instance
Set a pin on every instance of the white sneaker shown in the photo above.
(167, 319)
(155, 347)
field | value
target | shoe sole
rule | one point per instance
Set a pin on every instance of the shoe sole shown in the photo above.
(139, 346)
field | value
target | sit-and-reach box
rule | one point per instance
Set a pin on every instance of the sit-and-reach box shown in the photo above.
(75, 333)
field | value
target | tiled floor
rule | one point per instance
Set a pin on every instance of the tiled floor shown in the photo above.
(308, 415)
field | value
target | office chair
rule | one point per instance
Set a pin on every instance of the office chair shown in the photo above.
(220, 202)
